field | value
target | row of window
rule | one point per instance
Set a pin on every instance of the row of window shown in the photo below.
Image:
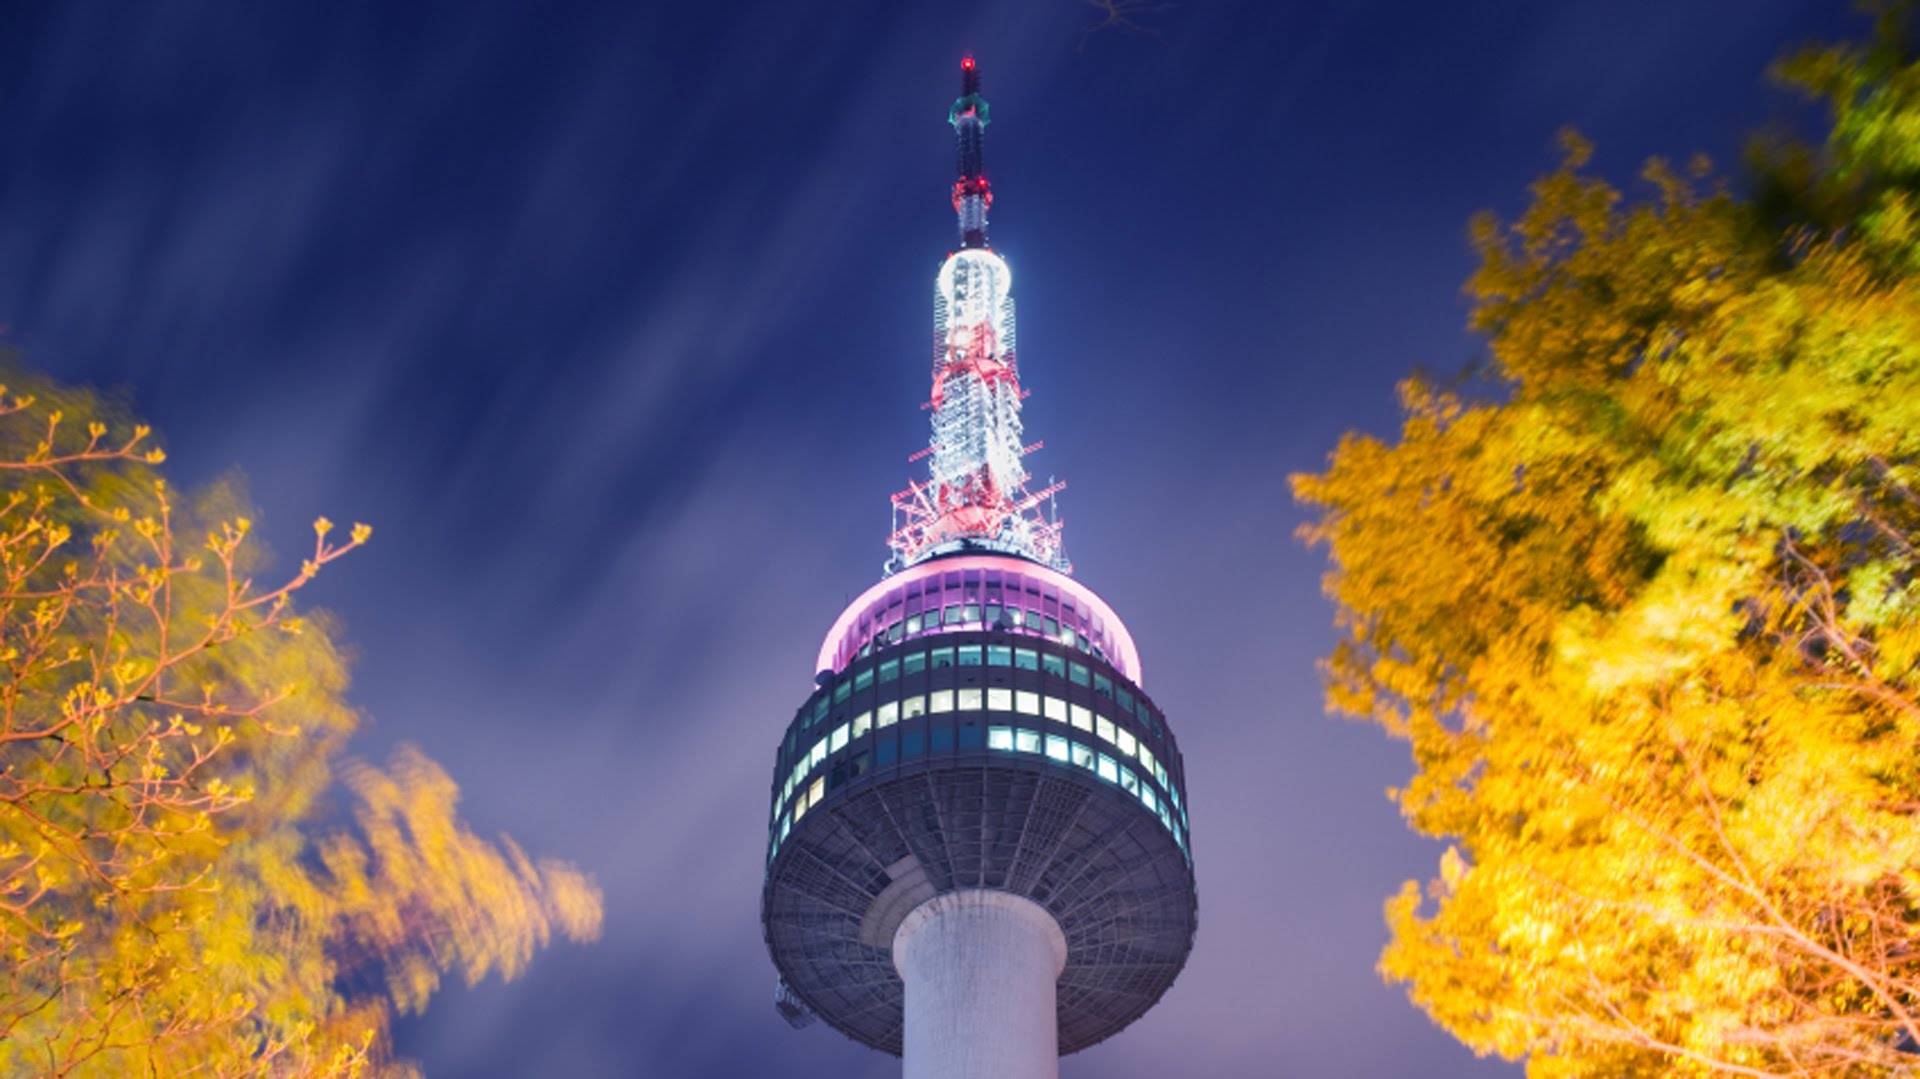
(1055, 747)
(991, 699)
(978, 616)
(981, 598)
(982, 655)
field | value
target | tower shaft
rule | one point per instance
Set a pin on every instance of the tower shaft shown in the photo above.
(979, 968)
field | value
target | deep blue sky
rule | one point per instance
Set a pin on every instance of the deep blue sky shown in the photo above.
(613, 319)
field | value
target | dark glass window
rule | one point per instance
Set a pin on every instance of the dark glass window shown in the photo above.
(969, 655)
(1054, 665)
(914, 663)
(890, 670)
(913, 744)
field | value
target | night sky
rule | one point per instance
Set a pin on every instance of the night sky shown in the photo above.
(613, 319)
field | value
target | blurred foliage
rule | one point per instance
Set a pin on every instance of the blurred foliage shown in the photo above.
(169, 901)
(1650, 618)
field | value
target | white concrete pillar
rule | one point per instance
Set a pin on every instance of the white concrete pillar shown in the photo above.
(980, 968)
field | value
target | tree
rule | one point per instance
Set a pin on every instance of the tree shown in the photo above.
(170, 902)
(1648, 613)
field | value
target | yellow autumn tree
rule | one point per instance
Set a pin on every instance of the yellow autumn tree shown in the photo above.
(169, 904)
(1649, 613)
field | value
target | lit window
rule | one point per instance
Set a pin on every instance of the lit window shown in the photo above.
(799, 773)
(942, 701)
(890, 670)
(893, 633)
(1109, 771)
(942, 657)
(1126, 742)
(1160, 774)
(817, 791)
(1026, 741)
(1166, 820)
(999, 737)
(784, 825)
(1146, 758)
(839, 739)
(915, 705)
(1082, 756)
(970, 655)
(861, 723)
(889, 714)
(1057, 747)
(970, 613)
(1129, 782)
(799, 809)
(999, 655)
(1000, 700)
(1015, 615)
(1104, 726)
(913, 624)
(1066, 635)
(1053, 627)
(1026, 701)
(951, 616)
(842, 691)
(862, 680)
(1078, 673)
(969, 700)
(1054, 665)
(819, 752)
(1026, 659)
(1147, 799)
(915, 663)
(1056, 709)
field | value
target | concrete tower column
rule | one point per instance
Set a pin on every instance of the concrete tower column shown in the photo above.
(980, 968)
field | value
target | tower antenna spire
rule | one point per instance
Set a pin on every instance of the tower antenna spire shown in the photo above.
(976, 498)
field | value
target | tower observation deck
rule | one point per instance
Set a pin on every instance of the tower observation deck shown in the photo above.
(979, 853)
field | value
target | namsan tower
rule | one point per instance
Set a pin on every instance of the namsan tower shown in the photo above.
(979, 855)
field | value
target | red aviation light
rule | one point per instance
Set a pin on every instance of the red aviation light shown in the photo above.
(967, 64)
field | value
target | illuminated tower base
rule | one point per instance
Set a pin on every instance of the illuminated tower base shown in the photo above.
(979, 968)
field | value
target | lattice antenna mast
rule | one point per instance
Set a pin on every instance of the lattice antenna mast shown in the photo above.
(976, 498)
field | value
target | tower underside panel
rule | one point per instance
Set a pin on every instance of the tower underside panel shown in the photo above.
(1111, 876)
